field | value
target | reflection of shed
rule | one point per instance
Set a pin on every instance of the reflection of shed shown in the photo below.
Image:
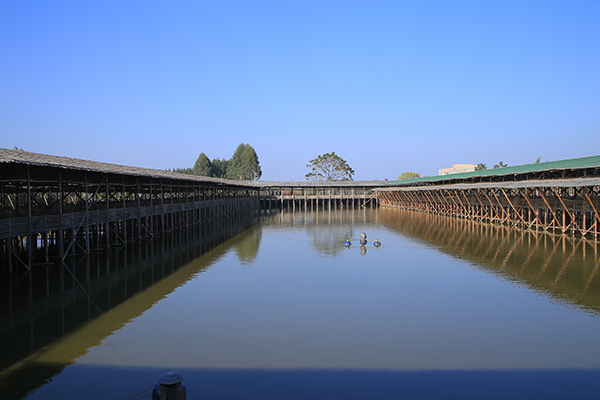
(59, 294)
(562, 266)
(558, 195)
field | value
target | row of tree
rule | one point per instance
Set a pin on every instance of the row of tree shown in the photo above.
(481, 166)
(243, 166)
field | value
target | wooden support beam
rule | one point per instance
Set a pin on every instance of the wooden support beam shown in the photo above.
(531, 207)
(492, 217)
(471, 208)
(430, 200)
(555, 218)
(513, 207)
(483, 209)
(447, 208)
(501, 207)
(597, 219)
(573, 221)
(463, 209)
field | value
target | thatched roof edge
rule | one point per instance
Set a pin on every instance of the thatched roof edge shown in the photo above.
(45, 160)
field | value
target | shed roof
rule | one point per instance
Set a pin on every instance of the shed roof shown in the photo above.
(44, 160)
(574, 182)
(573, 163)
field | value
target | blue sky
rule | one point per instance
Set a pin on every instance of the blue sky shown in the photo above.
(390, 86)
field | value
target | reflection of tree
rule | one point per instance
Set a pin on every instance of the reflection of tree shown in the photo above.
(247, 248)
(329, 240)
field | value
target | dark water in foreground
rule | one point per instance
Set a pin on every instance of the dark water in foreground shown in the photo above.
(443, 309)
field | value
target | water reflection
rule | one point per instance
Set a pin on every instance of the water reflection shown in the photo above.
(327, 228)
(52, 315)
(564, 267)
(438, 312)
(248, 245)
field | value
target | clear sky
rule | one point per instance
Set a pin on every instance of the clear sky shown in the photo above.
(390, 86)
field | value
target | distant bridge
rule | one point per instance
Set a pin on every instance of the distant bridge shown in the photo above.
(312, 194)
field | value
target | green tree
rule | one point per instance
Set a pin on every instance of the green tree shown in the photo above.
(188, 171)
(480, 167)
(329, 167)
(203, 166)
(500, 165)
(220, 168)
(250, 158)
(539, 160)
(409, 175)
(244, 165)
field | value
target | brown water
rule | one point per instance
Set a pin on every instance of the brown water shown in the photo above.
(445, 308)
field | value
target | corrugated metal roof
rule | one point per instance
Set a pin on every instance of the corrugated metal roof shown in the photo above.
(45, 160)
(573, 163)
(575, 182)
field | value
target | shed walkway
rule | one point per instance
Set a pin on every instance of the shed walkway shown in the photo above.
(53, 205)
(311, 194)
(561, 196)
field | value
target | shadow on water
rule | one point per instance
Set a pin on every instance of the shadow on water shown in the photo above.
(563, 267)
(332, 384)
(42, 307)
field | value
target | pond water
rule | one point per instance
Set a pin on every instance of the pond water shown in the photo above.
(444, 309)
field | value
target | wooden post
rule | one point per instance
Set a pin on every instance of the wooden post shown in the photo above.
(125, 235)
(107, 221)
(30, 238)
(61, 244)
(139, 207)
(162, 208)
(87, 224)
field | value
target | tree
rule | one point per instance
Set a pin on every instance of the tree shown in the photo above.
(244, 164)
(203, 166)
(188, 171)
(409, 175)
(220, 168)
(329, 167)
(480, 167)
(539, 160)
(500, 165)
(250, 158)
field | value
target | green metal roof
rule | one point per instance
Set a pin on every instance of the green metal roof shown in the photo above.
(573, 163)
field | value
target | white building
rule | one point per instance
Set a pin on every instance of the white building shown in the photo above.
(456, 168)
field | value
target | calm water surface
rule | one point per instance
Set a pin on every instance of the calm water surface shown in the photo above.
(444, 308)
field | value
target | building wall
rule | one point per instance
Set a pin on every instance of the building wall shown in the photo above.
(456, 168)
